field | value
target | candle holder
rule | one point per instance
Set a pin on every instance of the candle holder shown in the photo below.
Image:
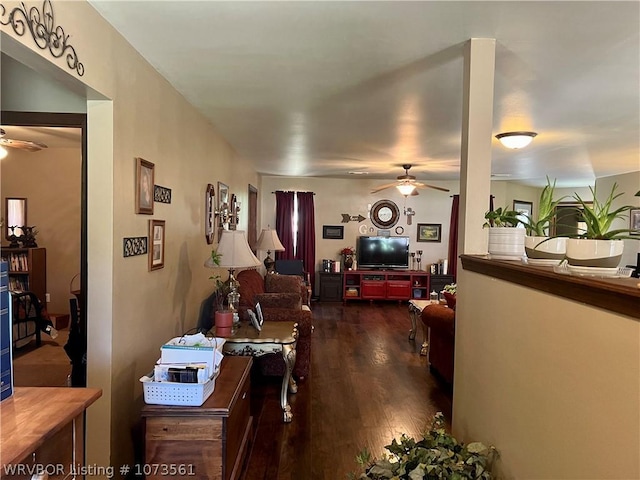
(419, 259)
(413, 260)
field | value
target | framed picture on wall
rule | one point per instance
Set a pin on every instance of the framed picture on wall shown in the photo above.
(156, 236)
(524, 209)
(144, 186)
(634, 221)
(429, 232)
(334, 232)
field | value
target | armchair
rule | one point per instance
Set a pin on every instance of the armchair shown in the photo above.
(441, 320)
(281, 298)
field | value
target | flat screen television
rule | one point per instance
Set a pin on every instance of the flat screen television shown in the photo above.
(383, 252)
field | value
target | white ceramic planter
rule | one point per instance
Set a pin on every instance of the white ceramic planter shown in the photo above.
(594, 253)
(506, 242)
(543, 248)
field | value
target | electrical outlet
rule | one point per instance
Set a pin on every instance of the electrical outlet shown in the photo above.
(47, 297)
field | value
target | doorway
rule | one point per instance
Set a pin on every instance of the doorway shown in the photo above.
(54, 188)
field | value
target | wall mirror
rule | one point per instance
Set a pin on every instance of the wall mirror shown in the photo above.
(15, 216)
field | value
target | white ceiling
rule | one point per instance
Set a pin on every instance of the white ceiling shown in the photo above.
(323, 88)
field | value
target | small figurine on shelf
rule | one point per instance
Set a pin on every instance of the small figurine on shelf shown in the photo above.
(13, 238)
(28, 239)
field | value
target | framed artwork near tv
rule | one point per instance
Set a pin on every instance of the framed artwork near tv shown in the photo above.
(429, 232)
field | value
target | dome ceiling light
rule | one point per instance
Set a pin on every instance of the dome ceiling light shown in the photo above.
(516, 139)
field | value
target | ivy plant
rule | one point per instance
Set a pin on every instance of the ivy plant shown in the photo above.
(438, 455)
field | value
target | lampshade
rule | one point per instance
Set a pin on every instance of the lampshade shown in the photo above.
(269, 241)
(406, 189)
(234, 251)
(3, 152)
(516, 139)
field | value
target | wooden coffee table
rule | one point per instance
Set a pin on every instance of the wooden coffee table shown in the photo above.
(275, 337)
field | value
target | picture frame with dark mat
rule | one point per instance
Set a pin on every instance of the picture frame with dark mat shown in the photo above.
(254, 320)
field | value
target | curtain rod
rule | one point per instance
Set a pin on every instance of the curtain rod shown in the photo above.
(294, 191)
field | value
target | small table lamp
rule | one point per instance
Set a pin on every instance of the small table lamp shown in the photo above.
(234, 253)
(269, 241)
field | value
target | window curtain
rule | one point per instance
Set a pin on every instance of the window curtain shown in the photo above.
(453, 236)
(307, 234)
(284, 223)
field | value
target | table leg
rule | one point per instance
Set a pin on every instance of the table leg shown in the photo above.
(424, 349)
(412, 316)
(289, 355)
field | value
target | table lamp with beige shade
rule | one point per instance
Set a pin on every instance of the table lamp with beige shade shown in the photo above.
(269, 241)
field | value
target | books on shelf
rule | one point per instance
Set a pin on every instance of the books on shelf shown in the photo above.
(18, 262)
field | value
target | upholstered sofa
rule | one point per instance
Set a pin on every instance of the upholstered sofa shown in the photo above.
(441, 320)
(281, 298)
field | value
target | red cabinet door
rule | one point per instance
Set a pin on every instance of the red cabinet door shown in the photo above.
(373, 289)
(399, 289)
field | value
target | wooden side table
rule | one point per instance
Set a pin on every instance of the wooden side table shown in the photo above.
(206, 442)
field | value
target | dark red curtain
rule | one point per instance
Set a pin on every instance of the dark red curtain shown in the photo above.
(307, 234)
(453, 236)
(284, 223)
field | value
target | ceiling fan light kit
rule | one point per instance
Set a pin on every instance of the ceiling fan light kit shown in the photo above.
(407, 184)
(406, 189)
(516, 140)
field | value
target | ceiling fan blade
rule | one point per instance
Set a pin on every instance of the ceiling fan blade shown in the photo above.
(22, 144)
(382, 187)
(423, 185)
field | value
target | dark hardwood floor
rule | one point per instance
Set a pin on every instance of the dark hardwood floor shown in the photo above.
(368, 384)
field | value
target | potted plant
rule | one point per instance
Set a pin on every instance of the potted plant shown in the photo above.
(598, 245)
(223, 315)
(506, 242)
(437, 455)
(538, 246)
(449, 294)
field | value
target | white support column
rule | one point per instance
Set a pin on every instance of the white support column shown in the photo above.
(477, 125)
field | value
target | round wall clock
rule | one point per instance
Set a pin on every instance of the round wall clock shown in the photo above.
(384, 214)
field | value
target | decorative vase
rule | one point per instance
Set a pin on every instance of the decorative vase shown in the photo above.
(545, 250)
(594, 253)
(506, 243)
(348, 262)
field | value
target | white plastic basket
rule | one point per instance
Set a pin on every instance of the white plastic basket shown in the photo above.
(172, 393)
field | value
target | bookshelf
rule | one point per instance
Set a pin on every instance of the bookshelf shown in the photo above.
(27, 270)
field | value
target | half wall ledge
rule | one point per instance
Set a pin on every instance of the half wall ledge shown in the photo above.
(619, 295)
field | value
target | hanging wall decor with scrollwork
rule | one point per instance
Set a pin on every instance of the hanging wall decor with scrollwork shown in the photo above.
(45, 33)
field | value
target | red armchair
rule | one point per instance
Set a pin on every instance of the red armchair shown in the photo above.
(281, 298)
(441, 322)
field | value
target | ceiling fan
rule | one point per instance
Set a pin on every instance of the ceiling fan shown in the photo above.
(20, 144)
(407, 184)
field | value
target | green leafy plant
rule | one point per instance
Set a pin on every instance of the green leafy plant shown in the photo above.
(546, 211)
(450, 288)
(501, 217)
(222, 287)
(599, 216)
(436, 456)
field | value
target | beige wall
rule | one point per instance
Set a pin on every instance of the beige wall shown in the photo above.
(353, 196)
(135, 113)
(50, 181)
(552, 383)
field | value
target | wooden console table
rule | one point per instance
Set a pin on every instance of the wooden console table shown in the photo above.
(44, 426)
(206, 442)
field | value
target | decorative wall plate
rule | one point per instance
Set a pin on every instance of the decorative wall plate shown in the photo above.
(384, 214)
